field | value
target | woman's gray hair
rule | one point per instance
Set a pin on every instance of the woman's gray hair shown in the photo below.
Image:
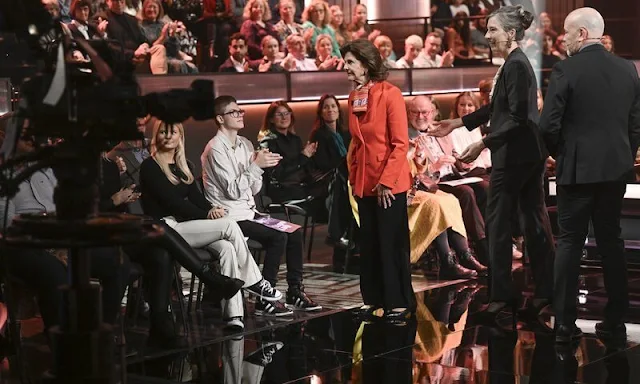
(513, 17)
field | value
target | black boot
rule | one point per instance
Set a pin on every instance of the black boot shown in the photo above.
(221, 285)
(451, 269)
(467, 260)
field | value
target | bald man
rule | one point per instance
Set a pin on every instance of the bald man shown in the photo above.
(591, 125)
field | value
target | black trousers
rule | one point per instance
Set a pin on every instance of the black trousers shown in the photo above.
(46, 274)
(276, 244)
(385, 274)
(518, 188)
(577, 204)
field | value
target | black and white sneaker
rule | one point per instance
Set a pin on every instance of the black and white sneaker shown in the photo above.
(298, 300)
(264, 355)
(265, 291)
(271, 308)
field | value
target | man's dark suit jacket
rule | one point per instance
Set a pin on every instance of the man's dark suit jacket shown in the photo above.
(591, 117)
(92, 31)
(514, 136)
(126, 30)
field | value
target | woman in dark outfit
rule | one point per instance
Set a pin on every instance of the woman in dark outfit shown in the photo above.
(333, 138)
(518, 156)
(157, 259)
(287, 180)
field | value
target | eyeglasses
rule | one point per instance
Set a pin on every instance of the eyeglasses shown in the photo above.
(236, 113)
(423, 113)
(282, 115)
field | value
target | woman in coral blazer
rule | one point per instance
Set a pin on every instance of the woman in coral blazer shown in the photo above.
(380, 177)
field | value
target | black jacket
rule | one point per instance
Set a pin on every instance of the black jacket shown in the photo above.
(327, 156)
(126, 31)
(514, 136)
(591, 117)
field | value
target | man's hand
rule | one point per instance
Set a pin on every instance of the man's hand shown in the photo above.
(122, 166)
(265, 159)
(472, 152)
(142, 51)
(102, 26)
(310, 149)
(216, 213)
(444, 127)
(385, 197)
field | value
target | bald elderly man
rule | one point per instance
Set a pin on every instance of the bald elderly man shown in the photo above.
(591, 125)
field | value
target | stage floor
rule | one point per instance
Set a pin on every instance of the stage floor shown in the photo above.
(444, 345)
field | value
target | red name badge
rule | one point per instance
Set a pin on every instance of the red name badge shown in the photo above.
(360, 100)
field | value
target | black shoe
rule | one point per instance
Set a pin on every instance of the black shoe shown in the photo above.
(298, 300)
(224, 286)
(265, 291)
(607, 330)
(534, 313)
(366, 312)
(451, 269)
(398, 315)
(272, 308)
(567, 334)
(264, 355)
(468, 261)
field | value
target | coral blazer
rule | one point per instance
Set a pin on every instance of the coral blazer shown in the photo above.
(380, 142)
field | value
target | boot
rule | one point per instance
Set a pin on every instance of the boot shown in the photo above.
(224, 286)
(451, 269)
(467, 260)
(163, 333)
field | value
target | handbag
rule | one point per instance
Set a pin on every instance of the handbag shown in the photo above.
(425, 183)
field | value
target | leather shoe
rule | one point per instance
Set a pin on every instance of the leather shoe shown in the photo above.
(565, 334)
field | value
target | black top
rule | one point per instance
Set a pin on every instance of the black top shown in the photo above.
(160, 198)
(110, 184)
(591, 117)
(293, 168)
(125, 29)
(514, 136)
(327, 157)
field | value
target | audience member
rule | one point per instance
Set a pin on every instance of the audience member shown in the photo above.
(545, 26)
(459, 37)
(285, 181)
(317, 19)
(385, 47)
(442, 165)
(170, 193)
(485, 86)
(232, 175)
(325, 61)
(338, 24)
(430, 56)
(297, 60)
(560, 48)
(124, 28)
(287, 25)
(220, 19)
(159, 32)
(270, 61)
(548, 59)
(464, 104)
(256, 26)
(458, 6)
(412, 46)
(359, 27)
(237, 61)
(440, 16)
(80, 25)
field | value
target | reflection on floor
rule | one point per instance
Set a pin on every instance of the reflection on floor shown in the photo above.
(445, 344)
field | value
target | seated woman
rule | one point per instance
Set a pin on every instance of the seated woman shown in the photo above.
(159, 32)
(270, 62)
(317, 18)
(458, 37)
(169, 193)
(461, 138)
(325, 61)
(332, 137)
(435, 217)
(287, 180)
(157, 259)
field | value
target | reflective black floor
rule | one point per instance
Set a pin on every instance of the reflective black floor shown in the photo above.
(443, 344)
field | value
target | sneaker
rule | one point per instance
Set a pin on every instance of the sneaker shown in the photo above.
(298, 300)
(271, 308)
(234, 324)
(265, 291)
(264, 355)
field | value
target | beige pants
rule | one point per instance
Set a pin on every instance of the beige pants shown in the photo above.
(156, 60)
(225, 238)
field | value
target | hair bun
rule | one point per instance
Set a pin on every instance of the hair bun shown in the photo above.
(526, 17)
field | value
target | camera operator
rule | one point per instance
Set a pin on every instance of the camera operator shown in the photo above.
(125, 29)
(46, 270)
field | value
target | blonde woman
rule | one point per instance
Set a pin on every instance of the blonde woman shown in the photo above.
(256, 26)
(325, 61)
(169, 193)
(287, 25)
(317, 19)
